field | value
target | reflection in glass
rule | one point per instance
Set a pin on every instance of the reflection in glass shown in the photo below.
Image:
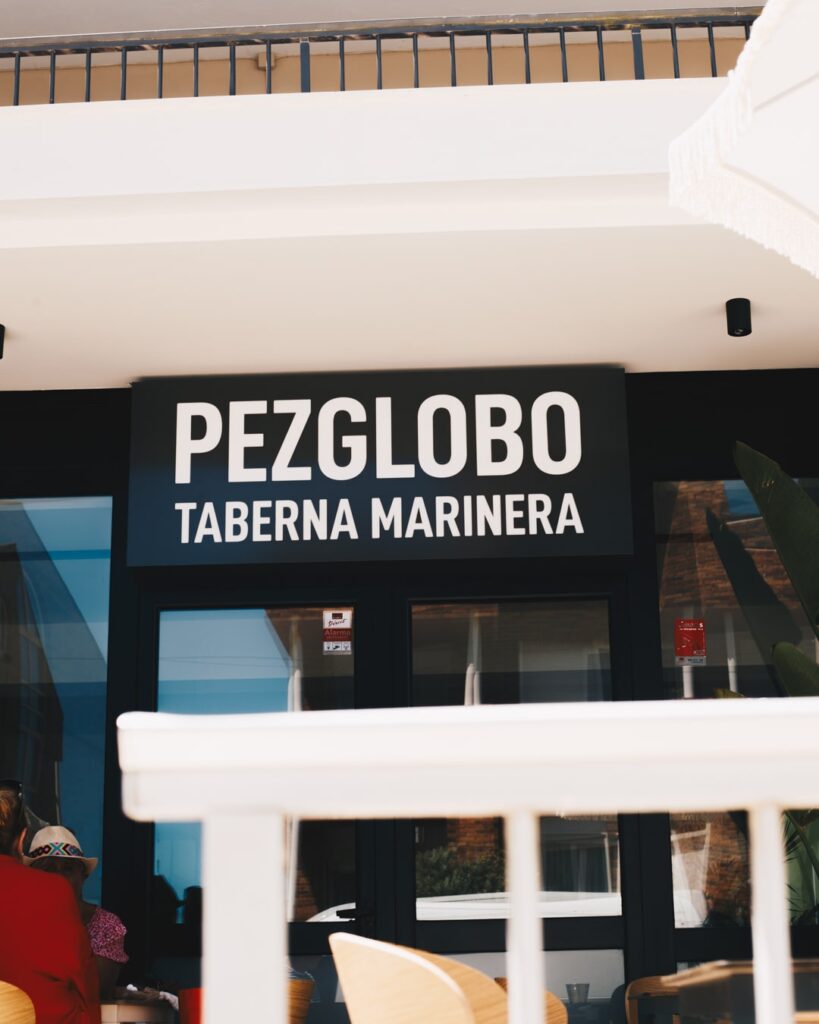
(460, 868)
(511, 652)
(712, 543)
(710, 870)
(234, 661)
(55, 560)
(716, 563)
(601, 969)
(506, 653)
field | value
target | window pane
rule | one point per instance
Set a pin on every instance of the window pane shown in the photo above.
(520, 652)
(506, 653)
(710, 870)
(711, 543)
(55, 561)
(602, 970)
(240, 661)
(459, 868)
(722, 582)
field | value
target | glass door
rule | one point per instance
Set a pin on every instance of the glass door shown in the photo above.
(292, 660)
(435, 884)
(517, 652)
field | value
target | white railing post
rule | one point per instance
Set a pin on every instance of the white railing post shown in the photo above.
(244, 941)
(480, 761)
(524, 946)
(773, 983)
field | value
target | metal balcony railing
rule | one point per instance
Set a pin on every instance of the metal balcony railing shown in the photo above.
(452, 41)
(244, 776)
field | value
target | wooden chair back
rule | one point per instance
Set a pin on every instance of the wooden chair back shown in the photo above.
(654, 985)
(15, 1005)
(486, 1000)
(387, 984)
(554, 1012)
(299, 994)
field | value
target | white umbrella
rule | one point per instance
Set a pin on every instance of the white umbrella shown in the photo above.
(751, 162)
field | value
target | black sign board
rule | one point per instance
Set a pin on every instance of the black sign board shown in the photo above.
(371, 466)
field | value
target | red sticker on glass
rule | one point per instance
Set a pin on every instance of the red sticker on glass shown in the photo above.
(689, 641)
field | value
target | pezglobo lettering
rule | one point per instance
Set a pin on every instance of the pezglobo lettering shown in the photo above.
(501, 430)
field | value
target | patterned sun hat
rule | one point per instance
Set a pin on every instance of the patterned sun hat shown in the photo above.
(56, 841)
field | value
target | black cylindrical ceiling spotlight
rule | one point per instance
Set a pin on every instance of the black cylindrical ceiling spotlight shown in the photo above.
(738, 317)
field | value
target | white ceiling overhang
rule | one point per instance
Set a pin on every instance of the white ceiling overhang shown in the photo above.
(453, 227)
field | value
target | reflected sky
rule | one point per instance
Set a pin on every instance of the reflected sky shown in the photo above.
(64, 550)
(225, 661)
(76, 533)
(220, 661)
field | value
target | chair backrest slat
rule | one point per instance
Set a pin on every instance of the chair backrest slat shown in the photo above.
(386, 984)
(553, 1009)
(15, 1005)
(299, 993)
(486, 999)
(653, 985)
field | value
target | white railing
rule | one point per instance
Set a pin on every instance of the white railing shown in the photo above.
(244, 775)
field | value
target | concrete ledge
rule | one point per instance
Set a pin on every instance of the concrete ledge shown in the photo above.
(574, 155)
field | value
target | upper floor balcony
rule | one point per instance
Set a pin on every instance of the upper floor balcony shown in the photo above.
(415, 50)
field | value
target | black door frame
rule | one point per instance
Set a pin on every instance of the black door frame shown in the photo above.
(382, 595)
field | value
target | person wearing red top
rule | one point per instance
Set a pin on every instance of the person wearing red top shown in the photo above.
(44, 947)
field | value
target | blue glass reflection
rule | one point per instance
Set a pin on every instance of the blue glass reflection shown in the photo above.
(226, 661)
(221, 662)
(55, 561)
(740, 501)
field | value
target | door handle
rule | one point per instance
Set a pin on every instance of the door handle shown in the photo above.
(355, 913)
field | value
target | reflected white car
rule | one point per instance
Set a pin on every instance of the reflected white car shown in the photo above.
(495, 905)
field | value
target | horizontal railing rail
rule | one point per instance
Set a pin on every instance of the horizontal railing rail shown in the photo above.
(243, 776)
(265, 40)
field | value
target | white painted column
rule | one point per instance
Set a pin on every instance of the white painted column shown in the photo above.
(473, 670)
(244, 940)
(469, 685)
(293, 827)
(688, 681)
(524, 945)
(293, 832)
(731, 653)
(773, 979)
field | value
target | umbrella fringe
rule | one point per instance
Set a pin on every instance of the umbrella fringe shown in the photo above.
(751, 210)
(704, 145)
(702, 183)
(702, 148)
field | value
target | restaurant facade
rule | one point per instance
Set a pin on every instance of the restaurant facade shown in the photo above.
(408, 532)
(256, 632)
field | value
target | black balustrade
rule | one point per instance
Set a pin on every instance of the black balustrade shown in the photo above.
(265, 46)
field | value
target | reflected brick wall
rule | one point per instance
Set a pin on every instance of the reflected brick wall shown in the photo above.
(473, 838)
(712, 858)
(691, 570)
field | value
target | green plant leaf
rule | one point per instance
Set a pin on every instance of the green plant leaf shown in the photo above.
(769, 621)
(721, 694)
(792, 519)
(441, 871)
(800, 834)
(805, 818)
(798, 673)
